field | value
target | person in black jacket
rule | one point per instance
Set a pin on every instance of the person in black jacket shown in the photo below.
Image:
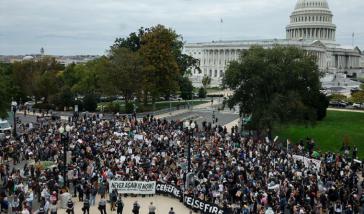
(70, 207)
(86, 206)
(80, 192)
(102, 205)
(136, 208)
(41, 211)
(119, 206)
(113, 199)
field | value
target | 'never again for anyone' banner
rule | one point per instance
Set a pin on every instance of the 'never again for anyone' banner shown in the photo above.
(133, 187)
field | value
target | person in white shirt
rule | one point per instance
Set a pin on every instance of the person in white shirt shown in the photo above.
(30, 198)
(25, 211)
(338, 208)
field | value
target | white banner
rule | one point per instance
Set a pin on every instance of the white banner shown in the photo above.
(308, 162)
(133, 187)
(138, 137)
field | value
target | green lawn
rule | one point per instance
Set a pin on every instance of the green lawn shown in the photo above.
(330, 133)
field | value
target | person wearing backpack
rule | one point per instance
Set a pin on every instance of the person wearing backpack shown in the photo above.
(119, 206)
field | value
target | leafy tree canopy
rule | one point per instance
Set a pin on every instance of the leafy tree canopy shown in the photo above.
(280, 85)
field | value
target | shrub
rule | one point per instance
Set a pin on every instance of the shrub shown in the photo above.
(90, 102)
(129, 108)
(44, 106)
(202, 93)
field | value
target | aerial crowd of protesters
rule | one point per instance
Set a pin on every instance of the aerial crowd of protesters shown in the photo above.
(238, 173)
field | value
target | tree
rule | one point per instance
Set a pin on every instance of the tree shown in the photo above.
(159, 49)
(31, 77)
(4, 101)
(89, 76)
(65, 98)
(338, 97)
(187, 63)
(124, 75)
(90, 102)
(358, 97)
(322, 105)
(46, 85)
(186, 88)
(166, 46)
(276, 85)
(132, 42)
(362, 86)
(206, 81)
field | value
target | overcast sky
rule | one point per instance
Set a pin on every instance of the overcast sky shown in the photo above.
(68, 27)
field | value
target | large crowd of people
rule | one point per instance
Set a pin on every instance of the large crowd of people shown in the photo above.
(240, 174)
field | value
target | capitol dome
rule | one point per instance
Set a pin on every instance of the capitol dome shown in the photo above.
(28, 58)
(311, 20)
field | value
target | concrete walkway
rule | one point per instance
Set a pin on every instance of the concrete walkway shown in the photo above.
(231, 124)
(345, 110)
(182, 111)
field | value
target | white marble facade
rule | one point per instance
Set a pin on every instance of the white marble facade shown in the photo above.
(310, 27)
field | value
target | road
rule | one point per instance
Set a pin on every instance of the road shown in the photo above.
(201, 115)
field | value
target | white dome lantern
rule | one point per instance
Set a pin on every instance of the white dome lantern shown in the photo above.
(301, 4)
(311, 20)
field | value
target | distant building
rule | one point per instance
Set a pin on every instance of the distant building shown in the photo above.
(310, 27)
(65, 60)
(81, 59)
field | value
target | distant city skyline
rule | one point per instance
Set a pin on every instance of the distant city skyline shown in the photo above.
(66, 27)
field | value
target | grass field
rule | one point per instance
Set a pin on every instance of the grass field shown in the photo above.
(329, 134)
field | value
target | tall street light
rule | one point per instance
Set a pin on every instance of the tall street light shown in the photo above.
(189, 127)
(64, 141)
(14, 106)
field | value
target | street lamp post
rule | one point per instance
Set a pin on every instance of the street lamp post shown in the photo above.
(14, 105)
(189, 129)
(64, 141)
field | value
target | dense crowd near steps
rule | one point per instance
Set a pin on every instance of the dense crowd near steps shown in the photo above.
(239, 174)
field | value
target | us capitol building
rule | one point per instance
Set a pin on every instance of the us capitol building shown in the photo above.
(310, 27)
